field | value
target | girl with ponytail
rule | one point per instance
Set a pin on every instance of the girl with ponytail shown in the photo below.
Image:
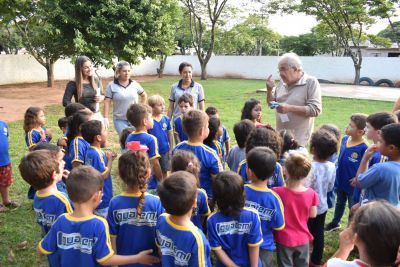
(132, 215)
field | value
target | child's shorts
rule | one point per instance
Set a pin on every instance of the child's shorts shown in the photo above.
(6, 178)
(165, 162)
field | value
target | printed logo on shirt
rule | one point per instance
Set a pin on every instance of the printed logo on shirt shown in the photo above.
(75, 241)
(164, 126)
(265, 213)
(168, 248)
(233, 227)
(5, 131)
(354, 157)
(44, 218)
(195, 211)
(129, 216)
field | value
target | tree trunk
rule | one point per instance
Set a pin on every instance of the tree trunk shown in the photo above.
(162, 65)
(204, 70)
(50, 72)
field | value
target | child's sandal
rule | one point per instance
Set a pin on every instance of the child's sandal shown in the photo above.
(12, 205)
(2, 208)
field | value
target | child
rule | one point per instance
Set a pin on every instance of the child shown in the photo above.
(35, 133)
(252, 111)
(261, 163)
(124, 135)
(241, 130)
(375, 231)
(185, 103)
(80, 238)
(77, 146)
(224, 138)
(234, 231)
(352, 150)
(140, 116)
(133, 214)
(289, 145)
(264, 137)
(300, 204)
(63, 124)
(195, 124)
(95, 134)
(323, 145)
(215, 130)
(6, 178)
(187, 161)
(181, 243)
(382, 180)
(374, 124)
(42, 170)
(162, 130)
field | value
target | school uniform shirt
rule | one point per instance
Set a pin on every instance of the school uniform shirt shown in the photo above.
(322, 180)
(270, 209)
(235, 235)
(77, 150)
(48, 207)
(209, 161)
(202, 209)
(348, 162)
(222, 139)
(297, 210)
(382, 181)
(181, 245)
(275, 180)
(235, 157)
(126, 225)
(335, 262)
(4, 155)
(34, 136)
(216, 146)
(151, 142)
(78, 241)
(96, 158)
(160, 130)
(178, 129)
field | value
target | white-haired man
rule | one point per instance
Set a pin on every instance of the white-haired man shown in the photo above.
(298, 98)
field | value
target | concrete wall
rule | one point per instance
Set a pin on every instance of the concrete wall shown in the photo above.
(24, 68)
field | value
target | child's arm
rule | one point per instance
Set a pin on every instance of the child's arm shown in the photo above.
(177, 139)
(49, 134)
(114, 243)
(313, 212)
(254, 253)
(227, 147)
(346, 244)
(155, 165)
(110, 157)
(142, 257)
(224, 258)
(170, 140)
(364, 164)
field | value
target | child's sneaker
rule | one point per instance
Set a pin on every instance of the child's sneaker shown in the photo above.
(331, 227)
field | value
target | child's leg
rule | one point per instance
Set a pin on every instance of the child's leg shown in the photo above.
(301, 255)
(5, 182)
(284, 256)
(266, 257)
(341, 199)
(318, 233)
(4, 194)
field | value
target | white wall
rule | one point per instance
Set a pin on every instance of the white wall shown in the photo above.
(24, 68)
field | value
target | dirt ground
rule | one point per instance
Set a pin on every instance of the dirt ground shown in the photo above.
(16, 98)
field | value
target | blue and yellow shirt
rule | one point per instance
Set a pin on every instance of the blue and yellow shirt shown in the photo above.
(160, 130)
(181, 245)
(4, 155)
(77, 150)
(178, 129)
(202, 209)
(275, 180)
(34, 136)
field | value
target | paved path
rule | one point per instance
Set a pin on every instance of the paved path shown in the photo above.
(358, 91)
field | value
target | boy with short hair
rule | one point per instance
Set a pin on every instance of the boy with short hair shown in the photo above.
(374, 124)
(181, 243)
(81, 238)
(195, 124)
(162, 130)
(95, 134)
(261, 163)
(42, 171)
(185, 103)
(212, 112)
(352, 149)
(382, 180)
(140, 116)
(237, 154)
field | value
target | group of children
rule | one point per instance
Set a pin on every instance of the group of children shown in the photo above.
(273, 201)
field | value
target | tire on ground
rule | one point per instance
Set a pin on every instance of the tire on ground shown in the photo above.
(387, 82)
(366, 81)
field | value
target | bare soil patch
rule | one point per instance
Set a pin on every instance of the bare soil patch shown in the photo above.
(16, 98)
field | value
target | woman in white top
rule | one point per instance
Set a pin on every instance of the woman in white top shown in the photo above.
(122, 92)
(185, 85)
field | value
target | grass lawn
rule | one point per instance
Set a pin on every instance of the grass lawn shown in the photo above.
(227, 95)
